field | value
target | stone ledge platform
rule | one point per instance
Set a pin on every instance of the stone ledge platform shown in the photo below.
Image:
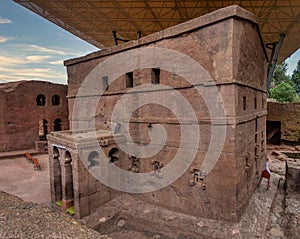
(14, 154)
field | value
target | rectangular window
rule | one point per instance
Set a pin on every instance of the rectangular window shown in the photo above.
(155, 76)
(105, 82)
(244, 102)
(262, 103)
(255, 103)
(129, 79)
(256, 124)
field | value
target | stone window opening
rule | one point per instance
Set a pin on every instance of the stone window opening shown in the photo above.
(244, 103)
(43, 129)
(55, 100)
(155, 79)
(114, 155)
(93, 159)
(40, 100)
(57, 124)
(256, 125)
(255, 103)
(105, 82)
(129, 79)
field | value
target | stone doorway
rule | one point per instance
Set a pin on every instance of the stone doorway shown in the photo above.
(274, 132)
(43, 129)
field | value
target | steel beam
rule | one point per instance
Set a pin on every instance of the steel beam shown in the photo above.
(274, 61)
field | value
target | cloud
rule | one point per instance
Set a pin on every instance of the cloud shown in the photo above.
(11, 61)
(3, 39)
(59, 62)
(36, 58)
(31, 73)
(4, 20)
(15, 61)
(48, 50)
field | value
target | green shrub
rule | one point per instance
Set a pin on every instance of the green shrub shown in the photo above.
(70, 210)
(284, 92)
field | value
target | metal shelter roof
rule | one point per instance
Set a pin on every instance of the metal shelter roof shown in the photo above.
(94, 20)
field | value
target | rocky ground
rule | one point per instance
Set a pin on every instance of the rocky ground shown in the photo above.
(20, 219)
(284, 218)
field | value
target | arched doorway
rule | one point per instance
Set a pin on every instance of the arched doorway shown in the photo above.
(43, 129)
(57, 124)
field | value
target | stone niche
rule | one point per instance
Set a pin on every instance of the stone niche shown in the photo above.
(227, 46)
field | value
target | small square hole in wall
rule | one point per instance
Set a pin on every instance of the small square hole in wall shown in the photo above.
(155, 76)
(129, 79)
(105, 82)
(244, 103)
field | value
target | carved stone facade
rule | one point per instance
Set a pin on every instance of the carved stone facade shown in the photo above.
(29, 111)
(227, 46)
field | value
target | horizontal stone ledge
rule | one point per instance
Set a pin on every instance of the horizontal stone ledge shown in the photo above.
(204, 83)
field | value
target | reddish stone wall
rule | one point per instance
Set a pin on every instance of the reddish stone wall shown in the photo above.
(289, 116)
(228, 46)
(20, 115)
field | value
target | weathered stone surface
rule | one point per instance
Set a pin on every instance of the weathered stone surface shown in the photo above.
(293, 175)
(20, 115)
(288, 114)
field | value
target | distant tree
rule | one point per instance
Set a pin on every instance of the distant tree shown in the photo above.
(280, 74)
(284, 91)
(296, 77)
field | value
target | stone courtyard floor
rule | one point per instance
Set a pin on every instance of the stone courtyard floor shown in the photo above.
(18, 177)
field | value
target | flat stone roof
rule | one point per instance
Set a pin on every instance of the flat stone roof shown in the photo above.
(84, 135)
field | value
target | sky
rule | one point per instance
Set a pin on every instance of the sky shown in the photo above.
(32, 48)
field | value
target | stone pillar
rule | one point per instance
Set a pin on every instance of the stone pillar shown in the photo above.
(55, 176)
(67, 183)
(57, 179)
